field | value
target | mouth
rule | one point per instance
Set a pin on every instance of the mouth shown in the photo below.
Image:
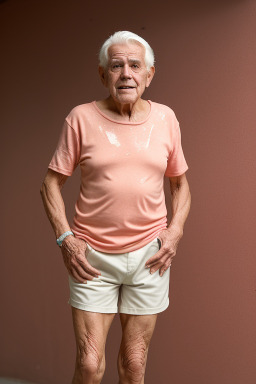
(125, 87)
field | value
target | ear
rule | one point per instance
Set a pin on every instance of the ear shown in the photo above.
(103, 75)
(150, 76)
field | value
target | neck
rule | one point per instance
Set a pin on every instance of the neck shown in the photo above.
(126, 110)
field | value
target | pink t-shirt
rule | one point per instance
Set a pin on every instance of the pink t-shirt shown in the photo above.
(121, 205)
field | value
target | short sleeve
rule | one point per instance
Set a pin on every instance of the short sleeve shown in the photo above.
(67, 153)
(176, 164)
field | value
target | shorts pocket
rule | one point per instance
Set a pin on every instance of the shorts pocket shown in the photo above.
(159, 243)
(88, 250)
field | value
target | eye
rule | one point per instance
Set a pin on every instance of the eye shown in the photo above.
(114, 66)
(135, 66)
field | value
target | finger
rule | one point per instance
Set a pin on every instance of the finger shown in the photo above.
(76, 276)
(155, 267)
(84, 274)
(152, 261)
(162, 266)
(149, 265)
(91, 270)
(163, 269)
(88, 267)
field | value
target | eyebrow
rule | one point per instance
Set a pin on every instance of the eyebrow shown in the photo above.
(136, 61)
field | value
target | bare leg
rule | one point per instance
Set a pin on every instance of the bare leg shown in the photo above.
(132, 358)
(91, 330)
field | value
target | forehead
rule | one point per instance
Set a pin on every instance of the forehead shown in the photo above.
(132, 50)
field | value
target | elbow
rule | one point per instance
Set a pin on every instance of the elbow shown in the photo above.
(189, 198)
(42, 189)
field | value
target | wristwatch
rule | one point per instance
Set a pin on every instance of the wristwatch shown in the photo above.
(62, 237)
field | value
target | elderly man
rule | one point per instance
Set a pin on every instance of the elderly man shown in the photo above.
(118, 250)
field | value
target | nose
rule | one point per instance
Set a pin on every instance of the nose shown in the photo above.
(125, 74)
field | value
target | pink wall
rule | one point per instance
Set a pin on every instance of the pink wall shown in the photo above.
(205, 70)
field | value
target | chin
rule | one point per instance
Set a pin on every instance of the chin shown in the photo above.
(126, 99)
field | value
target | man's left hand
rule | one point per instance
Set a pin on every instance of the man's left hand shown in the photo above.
(163, 258)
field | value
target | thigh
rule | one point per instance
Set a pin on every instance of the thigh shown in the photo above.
(137, 324)
(137, 331)
(91, 329)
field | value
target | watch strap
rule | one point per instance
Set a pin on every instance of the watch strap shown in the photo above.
(62, 237)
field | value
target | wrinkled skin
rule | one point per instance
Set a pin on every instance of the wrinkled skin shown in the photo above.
(170, 237)
(74, 255)
(132, 358)
(91, 330)
(162, 260)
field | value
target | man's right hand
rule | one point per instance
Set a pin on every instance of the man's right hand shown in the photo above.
(73, 251)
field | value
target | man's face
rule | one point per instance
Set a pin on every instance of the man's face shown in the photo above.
(126, 75)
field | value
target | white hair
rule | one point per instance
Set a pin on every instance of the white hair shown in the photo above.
(124, 37)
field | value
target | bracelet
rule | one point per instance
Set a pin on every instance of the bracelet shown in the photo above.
(62, 237)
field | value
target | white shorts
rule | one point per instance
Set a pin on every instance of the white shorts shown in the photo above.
(124, 286)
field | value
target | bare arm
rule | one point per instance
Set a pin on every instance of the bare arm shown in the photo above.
(73, 249)
(170, 237)
(53, 201)
(180, 203)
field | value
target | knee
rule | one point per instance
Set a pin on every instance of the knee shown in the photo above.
(90, 360)
(132, 361)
